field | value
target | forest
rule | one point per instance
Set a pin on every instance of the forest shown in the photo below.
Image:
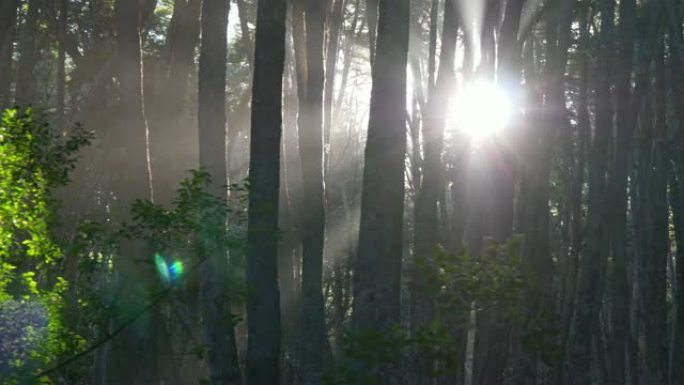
(342, 192)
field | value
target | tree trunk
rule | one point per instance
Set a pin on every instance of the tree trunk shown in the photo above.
(219, 332)
(432, 183)
(263, 310)
(372, 22)
(589, 292)
(26, 83)
(313, 334)
(378, 263)
(8, 19)
(130, 181)
(173, 124)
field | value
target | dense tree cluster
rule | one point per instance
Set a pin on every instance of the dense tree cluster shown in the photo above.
(471, 192)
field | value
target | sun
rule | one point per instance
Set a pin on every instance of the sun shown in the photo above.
(482, 109)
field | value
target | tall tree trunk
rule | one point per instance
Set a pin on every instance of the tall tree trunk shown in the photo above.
(26, 83)
(313, 333)
(676, 60)
(372, 22)
(8, 20)
(61, 59)
(432, 183)
(219, 333)
(244, 32)
(570, 271)
(333, 44)
(378, 263)
(263, 310)
(593, 260)
(620, 290)
(130, 181)
(172, 126)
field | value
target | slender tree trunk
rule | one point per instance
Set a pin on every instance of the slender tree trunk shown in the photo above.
(333, 44)
(372, 22)
(133, 355)
(26, 83)
(244, 32)
(61, 59)
(219, 333)
(378, 263)
(313, 333)
(620, 291)
(432, 182)
(570, 272)
(432, 55)
(8, 19)
(593, 260)
(263, 310)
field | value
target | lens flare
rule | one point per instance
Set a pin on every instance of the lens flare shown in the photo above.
(169, 273)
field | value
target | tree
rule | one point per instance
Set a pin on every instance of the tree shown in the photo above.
(589, 290)
(8, 19)
(263, 311)
(131, 181)
(315, 345)
(378, 263)
(25, 92)
(219, 329)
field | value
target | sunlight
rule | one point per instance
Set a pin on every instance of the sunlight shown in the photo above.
(482, 109)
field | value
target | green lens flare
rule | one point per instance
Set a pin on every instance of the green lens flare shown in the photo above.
(168, 273)
(176, 270)
(162, 268)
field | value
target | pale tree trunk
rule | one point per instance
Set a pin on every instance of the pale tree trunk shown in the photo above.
(173, 123)
(313, 335)
(377, 272)
(332, 47)
(263, 310)
(61, 59)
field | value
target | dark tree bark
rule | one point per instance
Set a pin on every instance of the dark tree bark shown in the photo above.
(620, 290)
(26, 83)
(219, 333)
(592, 263)
(432, 181)
(263, 310)
(8, 19)
(570, 269)
(676, 59)
(378, 263)
(313, 333)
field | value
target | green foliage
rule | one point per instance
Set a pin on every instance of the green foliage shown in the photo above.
(491, 280)
(33, 160)
(195, 227)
